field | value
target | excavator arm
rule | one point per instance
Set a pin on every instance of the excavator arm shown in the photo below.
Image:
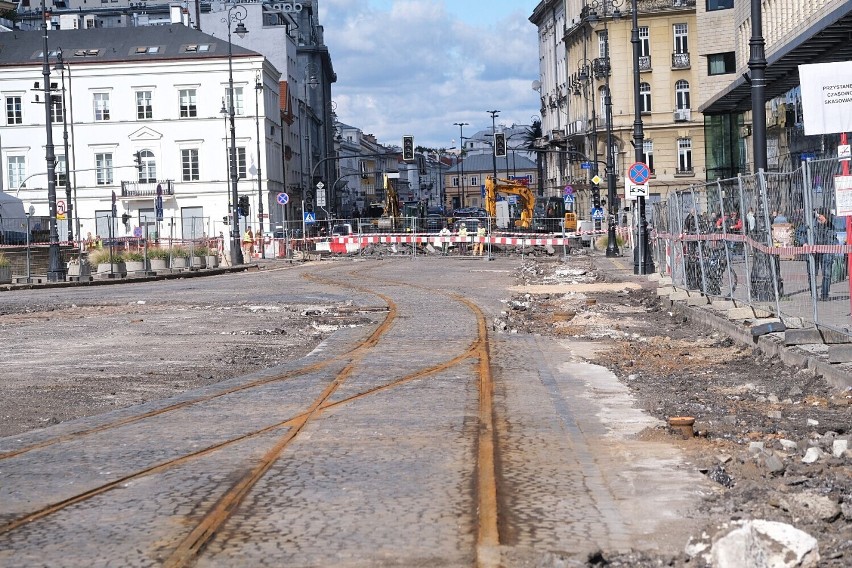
(511, 187)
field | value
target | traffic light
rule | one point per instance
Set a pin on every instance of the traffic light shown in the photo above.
(138, 161)
(408, 148)
(244, 206)
(500, 145)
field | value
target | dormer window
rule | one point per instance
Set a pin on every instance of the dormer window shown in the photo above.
(86, 52)
(147, 50)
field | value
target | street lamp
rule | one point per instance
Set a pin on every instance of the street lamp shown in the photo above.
(71, 210)
(55, 271)
(258, 88)
(584, 79)
(494, 114)
(610, 10)
(311, 80)
(461, 126)
(643, 262)
(236, 13)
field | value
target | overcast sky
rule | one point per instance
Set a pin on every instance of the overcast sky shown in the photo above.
(418, 66)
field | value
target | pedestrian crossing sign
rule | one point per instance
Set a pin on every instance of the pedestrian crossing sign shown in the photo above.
(310, 218)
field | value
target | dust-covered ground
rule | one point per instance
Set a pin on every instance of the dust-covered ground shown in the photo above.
(772, 435)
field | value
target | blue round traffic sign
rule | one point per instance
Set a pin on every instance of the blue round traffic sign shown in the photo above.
(283, 198)
(639, 173)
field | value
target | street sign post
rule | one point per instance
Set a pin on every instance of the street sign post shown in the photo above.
(283, 199)
(320, 194)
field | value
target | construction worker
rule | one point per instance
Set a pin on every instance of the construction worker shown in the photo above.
(248, 244)
(462, 238)
(480, 239)
(445, 241)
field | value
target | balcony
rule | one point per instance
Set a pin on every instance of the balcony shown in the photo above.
(682, 115)
(644, 63)
(600, 67)
(146, 190)
(680, 60)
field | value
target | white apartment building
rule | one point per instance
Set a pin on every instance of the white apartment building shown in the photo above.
(158, 94)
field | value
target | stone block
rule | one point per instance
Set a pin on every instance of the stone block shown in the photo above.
(802, 336)
(840, 353)
(679, 295)
(741, 313)
(763, 327)
(697, 300)
(722, 305)
(665, 291)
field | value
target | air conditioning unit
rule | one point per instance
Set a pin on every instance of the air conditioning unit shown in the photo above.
(682, 115)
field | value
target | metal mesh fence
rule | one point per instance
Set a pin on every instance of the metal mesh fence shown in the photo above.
(771, 241)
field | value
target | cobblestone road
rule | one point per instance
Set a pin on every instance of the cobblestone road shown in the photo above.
(386, 478)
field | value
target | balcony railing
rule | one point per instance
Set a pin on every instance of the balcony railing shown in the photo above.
(146, 190)
(644, 63)
(600, 67)
(680, 60)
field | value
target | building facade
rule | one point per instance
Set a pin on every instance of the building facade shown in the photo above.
(143, 113)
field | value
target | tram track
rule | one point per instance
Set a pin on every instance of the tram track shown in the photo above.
(188, 549)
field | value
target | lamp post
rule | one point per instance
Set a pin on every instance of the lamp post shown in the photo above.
(258, 88)
(610, 9)
(236, 13)
(494, 114)
(762, 287)
(311, 81)
(643, 262)
(461, 126)
(55, 271)
(584, 78)
(71, 210)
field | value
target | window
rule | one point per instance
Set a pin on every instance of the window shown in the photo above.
(602, 117)
(644, 41)
(603, 43)
(474, 181)
(721, 63)
(680, 37)
(684, 155)
(189, 165)
(241, 163)
(187, 103)
(14, 113)
(648, 151)
(238, 100)
(645, 97)
(455, 182)
(147, 50)
(61, 170)
(56, 114)
(719, 5)
(682, 95)
(148, 173)
(143, 105)
(17, 171)
(103, 167)
(101, 101)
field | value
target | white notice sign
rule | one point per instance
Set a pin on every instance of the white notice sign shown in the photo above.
(843, 194)
(826, 97)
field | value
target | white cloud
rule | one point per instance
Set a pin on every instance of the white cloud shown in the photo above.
(415, 69)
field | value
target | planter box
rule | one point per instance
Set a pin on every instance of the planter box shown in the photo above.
(119, 269)
(159, 264)
(136, 266)
(5, 274)
(79, 270)
(180, 262)
(212, 260)
(198, 262)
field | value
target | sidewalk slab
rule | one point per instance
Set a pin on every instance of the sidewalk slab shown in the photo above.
(665, 291)
(841, 353)
(722, 305)
(697, 301)
(679, 295)
(802, 336)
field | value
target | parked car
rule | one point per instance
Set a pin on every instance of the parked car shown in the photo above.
(434, 222)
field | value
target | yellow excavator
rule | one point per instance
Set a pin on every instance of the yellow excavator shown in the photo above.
(510, 187)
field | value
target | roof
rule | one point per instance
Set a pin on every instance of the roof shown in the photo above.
(826, 41)
(171, 42)
(484, 163)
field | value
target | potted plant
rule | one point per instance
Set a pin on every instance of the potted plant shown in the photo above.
(135, 261)
(180, 257)
(5, 269)
(212, 257)
(158, 258)
(107, 262)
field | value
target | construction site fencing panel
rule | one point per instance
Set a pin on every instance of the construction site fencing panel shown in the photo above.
(759, 240)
